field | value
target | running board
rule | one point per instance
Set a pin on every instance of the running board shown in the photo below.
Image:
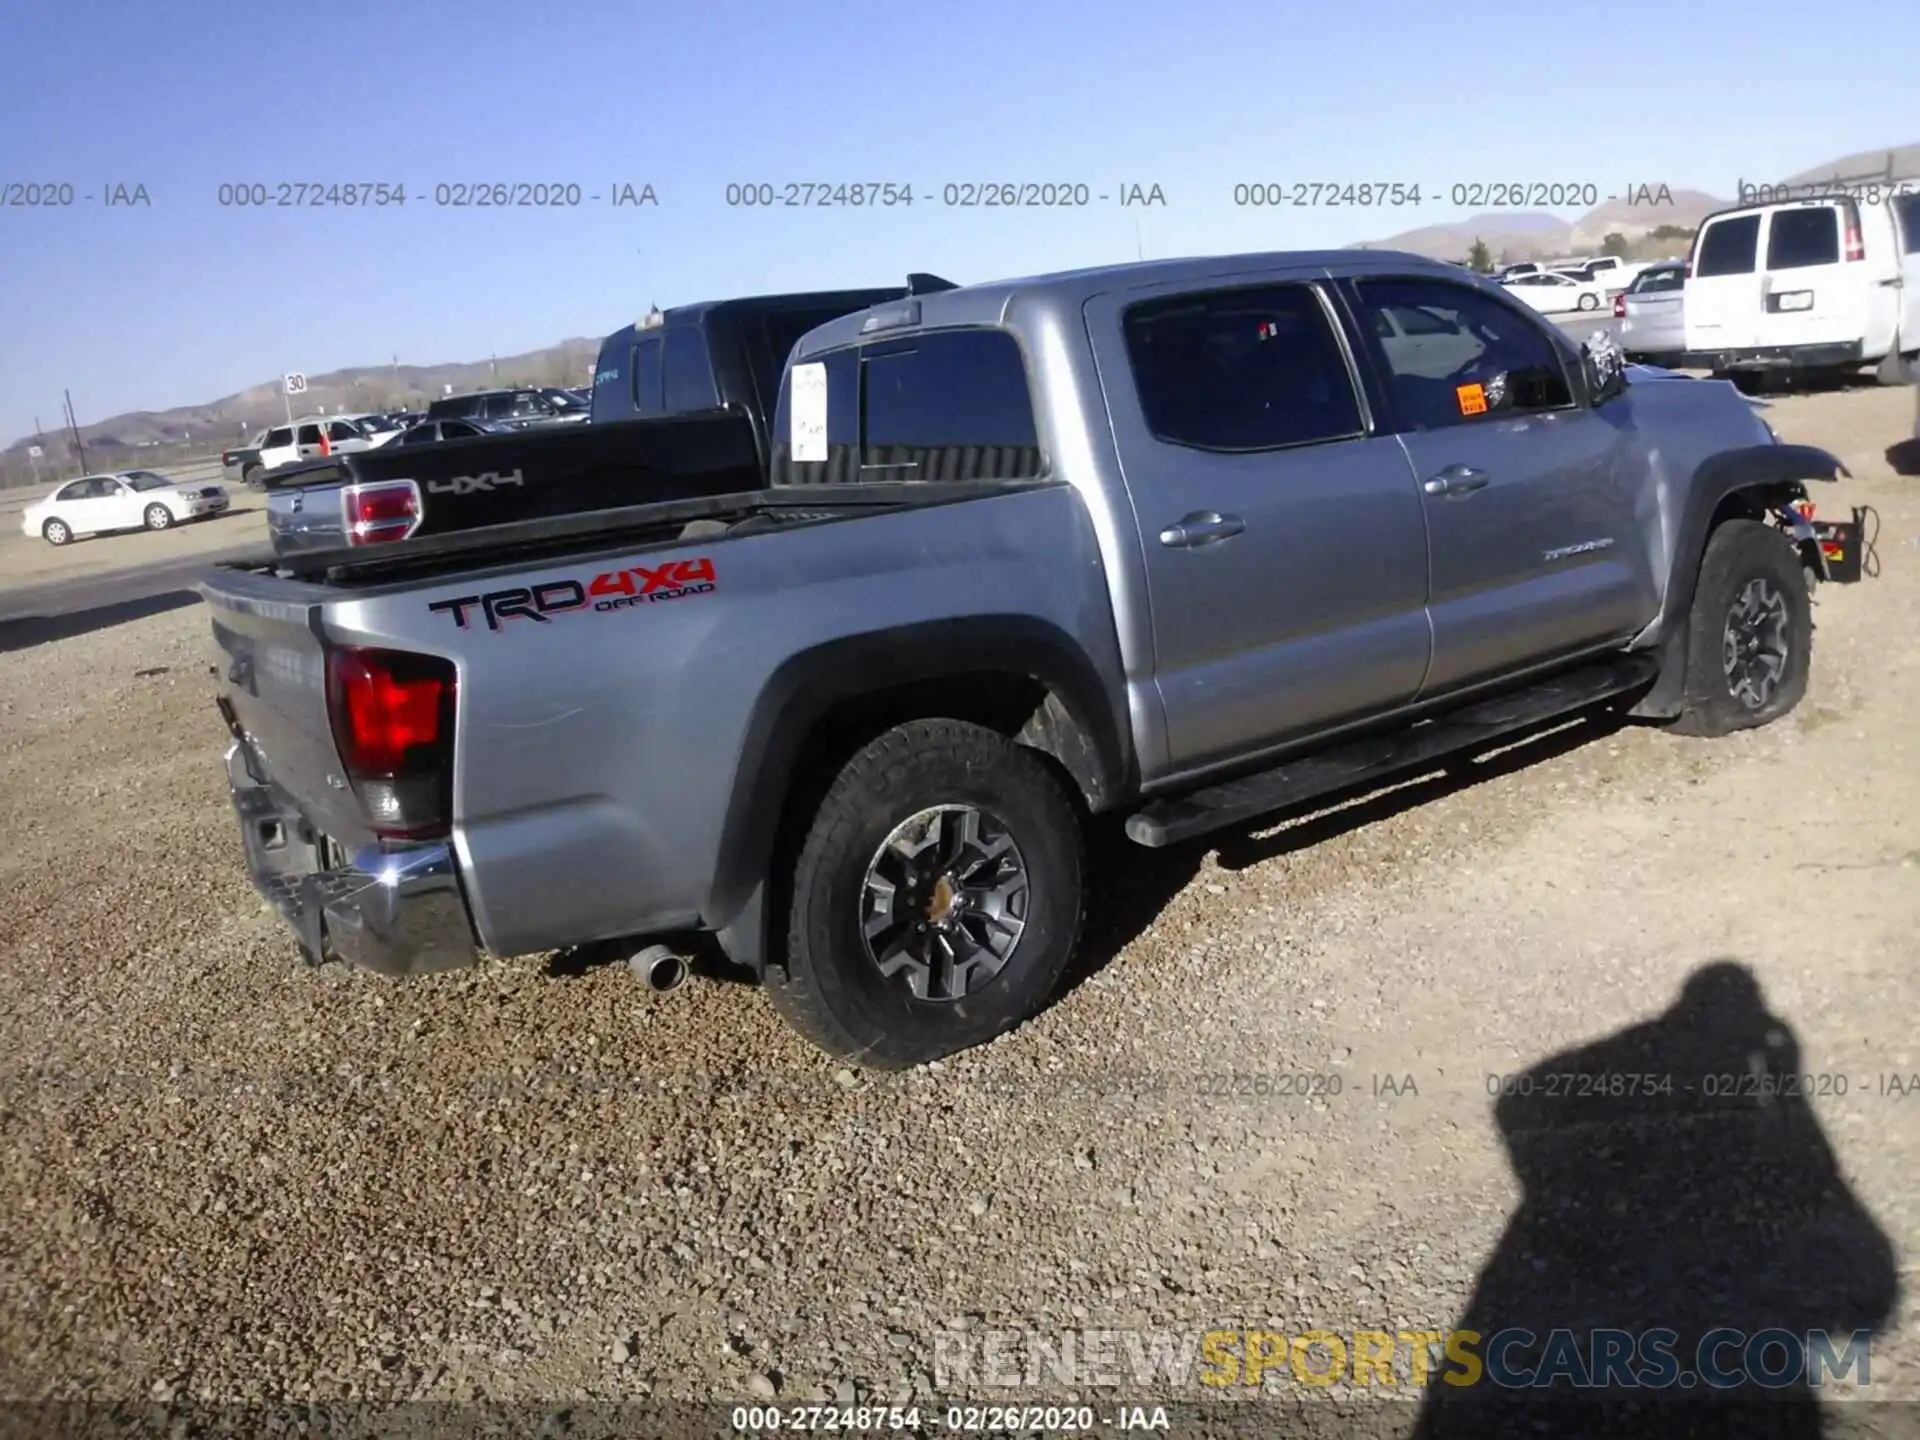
(1169, 821)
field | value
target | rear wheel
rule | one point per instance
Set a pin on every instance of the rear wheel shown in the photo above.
(1589, 302)
(936, 899)
(252, 476)
(55, 532)
(1750, 633)
(158, 517)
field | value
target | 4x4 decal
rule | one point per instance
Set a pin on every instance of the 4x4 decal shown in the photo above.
(613, 590)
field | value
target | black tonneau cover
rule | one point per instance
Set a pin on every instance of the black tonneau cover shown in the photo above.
(489, 480)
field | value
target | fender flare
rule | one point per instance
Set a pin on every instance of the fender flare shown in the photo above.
(1754, 467)
(1078, 724)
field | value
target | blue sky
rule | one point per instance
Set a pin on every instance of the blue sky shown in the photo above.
(184, 300)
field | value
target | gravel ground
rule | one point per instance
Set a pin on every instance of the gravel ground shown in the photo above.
(227, 1177)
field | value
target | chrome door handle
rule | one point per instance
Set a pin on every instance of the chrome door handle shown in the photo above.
(1202, 527)
(1456, 480)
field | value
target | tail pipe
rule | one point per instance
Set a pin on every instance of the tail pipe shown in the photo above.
(662, 968)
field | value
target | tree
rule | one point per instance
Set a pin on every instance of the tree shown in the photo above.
(1614, 244)
(1480, 259)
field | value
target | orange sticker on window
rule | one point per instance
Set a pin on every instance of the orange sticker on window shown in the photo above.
(1473, 399)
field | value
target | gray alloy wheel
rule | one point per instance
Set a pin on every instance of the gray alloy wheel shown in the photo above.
(56, 532)
(158, 517)
(1754, 645)
(944, 901)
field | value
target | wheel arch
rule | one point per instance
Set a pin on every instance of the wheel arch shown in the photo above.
(1020, 676)
(1745, 484)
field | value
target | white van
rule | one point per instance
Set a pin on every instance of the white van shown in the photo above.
(1823, 284)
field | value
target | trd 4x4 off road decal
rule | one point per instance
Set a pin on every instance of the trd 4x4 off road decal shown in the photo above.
(614, 590)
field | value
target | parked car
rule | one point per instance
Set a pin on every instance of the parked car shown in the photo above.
(1187, 542)
(1517, 269)
(378, 429)
(1611, 272)
(706, 435)
(567, 404)
(515, 408)
(1652, 314)
(243, 462)
(314, 437)
(120, 500)
(430, 432)
(1553, 293)
(1802, 287)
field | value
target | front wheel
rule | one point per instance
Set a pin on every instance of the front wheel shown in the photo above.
(936, 899)
(1750, 633)
(158, 517)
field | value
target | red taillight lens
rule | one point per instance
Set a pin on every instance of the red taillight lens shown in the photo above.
(1619, 307)
(392, 717)
(377, 514)
(1855, 249)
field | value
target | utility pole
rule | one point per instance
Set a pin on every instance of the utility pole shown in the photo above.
(73, 425)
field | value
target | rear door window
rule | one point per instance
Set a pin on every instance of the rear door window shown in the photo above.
(950, 405)
(1729, 247)
(341, 430)
(275, 439)
(1798, 238)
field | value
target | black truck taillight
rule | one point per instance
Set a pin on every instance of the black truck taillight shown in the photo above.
(383, 511)
(392, 717)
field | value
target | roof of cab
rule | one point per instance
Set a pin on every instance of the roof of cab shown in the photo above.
(990, 302)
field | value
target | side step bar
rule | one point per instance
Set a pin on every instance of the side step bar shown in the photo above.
(1170, 821)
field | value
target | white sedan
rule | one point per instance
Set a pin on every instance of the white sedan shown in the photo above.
(1550, 292)
(123, 500)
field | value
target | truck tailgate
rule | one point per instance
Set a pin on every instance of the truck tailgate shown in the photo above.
(271, 679)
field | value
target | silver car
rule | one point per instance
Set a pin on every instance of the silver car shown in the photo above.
(1652, 313)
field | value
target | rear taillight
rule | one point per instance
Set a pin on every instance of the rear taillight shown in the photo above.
(392, 718)
(1855, 249)
(379, 513)
(1619, 307)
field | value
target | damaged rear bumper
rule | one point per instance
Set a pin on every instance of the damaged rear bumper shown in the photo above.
(392, 908)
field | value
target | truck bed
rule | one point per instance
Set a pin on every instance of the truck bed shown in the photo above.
(489, 549)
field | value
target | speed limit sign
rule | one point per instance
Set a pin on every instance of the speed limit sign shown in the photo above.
(296, 383)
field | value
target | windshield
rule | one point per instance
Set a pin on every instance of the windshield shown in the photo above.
(145, 480)
(562, 399)
(1669, 277)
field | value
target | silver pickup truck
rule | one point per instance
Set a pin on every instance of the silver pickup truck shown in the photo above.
(1187, 542)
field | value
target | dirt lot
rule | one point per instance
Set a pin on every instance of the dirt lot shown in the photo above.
(25, 560)
(224, 1176)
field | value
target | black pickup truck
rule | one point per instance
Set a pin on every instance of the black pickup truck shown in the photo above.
(682, 401)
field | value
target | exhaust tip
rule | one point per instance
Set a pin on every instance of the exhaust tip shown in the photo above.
(663, 969)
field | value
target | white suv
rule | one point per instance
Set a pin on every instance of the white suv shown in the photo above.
(311, 438)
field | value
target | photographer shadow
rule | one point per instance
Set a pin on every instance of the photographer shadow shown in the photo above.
(1714, 1203)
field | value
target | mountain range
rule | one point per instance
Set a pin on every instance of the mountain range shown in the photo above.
(1652, 219)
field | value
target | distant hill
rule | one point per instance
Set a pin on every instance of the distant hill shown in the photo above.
(1511, 235)
(133, 438)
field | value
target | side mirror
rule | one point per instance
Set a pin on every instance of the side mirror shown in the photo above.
(1605, 366)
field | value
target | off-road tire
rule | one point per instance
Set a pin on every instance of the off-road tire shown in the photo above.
(830, 990)
(57, 532)
(158, 517)
(1738, 553)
